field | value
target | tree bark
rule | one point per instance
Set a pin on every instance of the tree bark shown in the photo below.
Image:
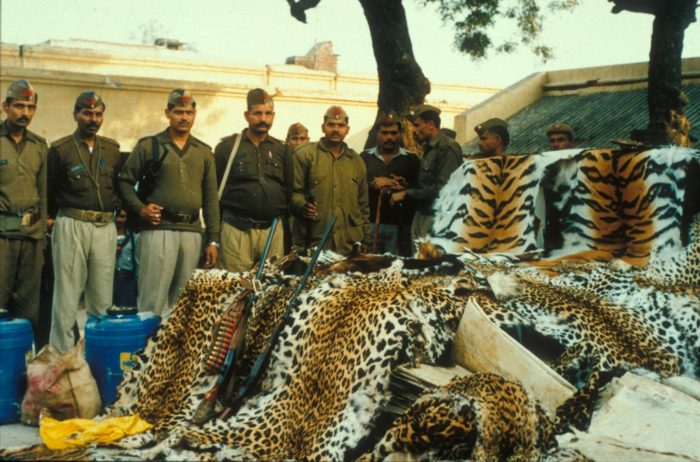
(664, 96)
(402, 85)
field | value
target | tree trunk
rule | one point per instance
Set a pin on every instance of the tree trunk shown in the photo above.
(664, 96)
(402, 85)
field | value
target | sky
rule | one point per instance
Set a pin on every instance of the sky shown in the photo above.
(262, 32)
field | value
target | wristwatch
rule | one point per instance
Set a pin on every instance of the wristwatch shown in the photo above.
(215, 244)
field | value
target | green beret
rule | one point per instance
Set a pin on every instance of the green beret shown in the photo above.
(181, 97)
(336, 113)
(88, 100)
(297, 129)
(560, 128)
(258, 96)
(490, 125)
(22, 90)
(423, 108)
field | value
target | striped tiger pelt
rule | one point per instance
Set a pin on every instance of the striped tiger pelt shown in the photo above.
(492, 205)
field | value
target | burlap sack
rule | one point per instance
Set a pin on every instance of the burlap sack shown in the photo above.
(62, 384)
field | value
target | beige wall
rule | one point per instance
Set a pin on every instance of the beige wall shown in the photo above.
(134, 81)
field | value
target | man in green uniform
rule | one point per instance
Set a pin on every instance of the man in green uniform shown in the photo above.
(22, 204)
(560, 136)
(171, 234)
(330, 178)
(441, 156)
(493, 138)
(256, 187)
(82, 194)
(297, 135)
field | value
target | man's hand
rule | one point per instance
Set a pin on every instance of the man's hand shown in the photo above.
(49, 223)
(151, 214)
(310, 212)
(379, 182)
(398, 196)
(211, 253)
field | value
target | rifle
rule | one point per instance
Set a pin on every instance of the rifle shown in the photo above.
(147, 183)
(309, 227)
(263, 358)
(231, 342)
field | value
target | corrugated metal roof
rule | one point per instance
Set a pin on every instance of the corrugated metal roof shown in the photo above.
(597, 118)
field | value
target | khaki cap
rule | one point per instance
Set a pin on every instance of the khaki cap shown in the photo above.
(181, 97)
(258, 96)
(559, 127)
(491, 124)
(297, 129)
(336, 113)
(423, 108)
(88, 100)
(22, 90)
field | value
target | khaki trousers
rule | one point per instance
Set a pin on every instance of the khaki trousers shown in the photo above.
(241, 250)
(84, 255)
(420, 227)
(20, 277)
(167, 260)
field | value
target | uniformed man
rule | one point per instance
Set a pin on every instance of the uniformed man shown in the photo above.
(560, 136)
(441, 156)
(297, 135)
(390, 168)
(330, 178)
(22, 204)
(171, 234)
(256, 190)
(82, 185)
(493, 138)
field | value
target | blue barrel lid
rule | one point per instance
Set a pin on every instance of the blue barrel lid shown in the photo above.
(122, 318)
(14, 329)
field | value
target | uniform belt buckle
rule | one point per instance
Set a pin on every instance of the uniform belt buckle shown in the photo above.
(27, 219)
(183, 217)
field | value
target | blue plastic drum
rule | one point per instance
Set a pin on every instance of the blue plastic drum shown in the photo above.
(15, 353)
(110, 344)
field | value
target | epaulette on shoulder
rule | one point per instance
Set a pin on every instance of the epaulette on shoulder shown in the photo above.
(61, 141)
(275, 140)
(110, 141)
(145, 138)
(194, 138)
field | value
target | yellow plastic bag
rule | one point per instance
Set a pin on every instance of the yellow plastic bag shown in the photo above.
(73, 433)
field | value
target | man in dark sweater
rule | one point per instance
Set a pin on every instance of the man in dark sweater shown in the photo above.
(256, 187)
(390, 168)
(441, 156)
(82, 185)
(171, 232)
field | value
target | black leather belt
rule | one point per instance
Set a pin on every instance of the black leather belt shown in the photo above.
(179, 217)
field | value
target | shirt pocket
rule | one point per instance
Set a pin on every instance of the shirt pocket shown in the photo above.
(274, 170)
(107, 178)
(78, 179)
(7, 171)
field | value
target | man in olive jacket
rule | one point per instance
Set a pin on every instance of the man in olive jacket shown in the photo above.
(330, 178)
(82, 185)
(171, 233)
(441, 156)
(22, 204)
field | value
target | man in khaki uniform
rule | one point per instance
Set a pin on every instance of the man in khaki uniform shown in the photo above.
(330, 178)
(256, 189)
(22, 204)
(297, 135)
(82, 185)
(171, 234)
(560, 136)
(493, 138)
(441, 156)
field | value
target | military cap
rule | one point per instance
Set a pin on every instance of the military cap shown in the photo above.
(22, 90)
(336, 113)
(297, 129)
(491, 124)
(258, 96)
(389, 118)
(559, 127)
(181, 97)
(423, 108)
(88, 100)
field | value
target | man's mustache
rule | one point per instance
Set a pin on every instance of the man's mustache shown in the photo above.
(262, 125)
(93, 126)
(23, 119)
